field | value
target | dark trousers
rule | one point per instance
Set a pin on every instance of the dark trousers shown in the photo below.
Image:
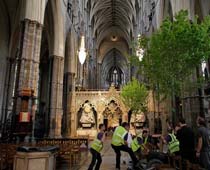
(205, 159)
(95, 156)
(124, 148)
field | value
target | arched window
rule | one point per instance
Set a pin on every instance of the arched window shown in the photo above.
(115, 76)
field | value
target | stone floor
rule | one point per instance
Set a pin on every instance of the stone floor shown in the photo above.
(108, 160)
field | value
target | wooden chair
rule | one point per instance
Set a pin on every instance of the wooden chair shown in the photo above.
(3, 155)
(76, 154)
(7, 153)
(11, 151)
(64, 155)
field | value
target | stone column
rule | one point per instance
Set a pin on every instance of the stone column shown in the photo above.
(73, 115)
(27, 74)
(130, 67)
(95, 77)
(70, 88)
(56, 108)
(7, 93)
(72, 126)
(99, 76)
(30, 55)
(85, 75)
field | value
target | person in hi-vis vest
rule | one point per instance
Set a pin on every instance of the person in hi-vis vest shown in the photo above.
(172, 142)
(125, 157)
(96, 148)
(119, 143)
(136, 145)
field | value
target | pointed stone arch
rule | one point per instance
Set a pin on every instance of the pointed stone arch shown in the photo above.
(57, 39)
(113, 114)
(123, 50)
(114, 59)
(70, 68)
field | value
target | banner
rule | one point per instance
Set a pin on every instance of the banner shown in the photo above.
(24, 117)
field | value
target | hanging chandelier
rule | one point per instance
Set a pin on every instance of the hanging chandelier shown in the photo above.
(140, 53)
(82, 51)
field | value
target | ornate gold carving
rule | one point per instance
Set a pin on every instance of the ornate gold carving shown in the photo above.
(113, 113)
(106, 104)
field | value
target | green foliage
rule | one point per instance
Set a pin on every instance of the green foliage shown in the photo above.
(174, 51)
(134, 95)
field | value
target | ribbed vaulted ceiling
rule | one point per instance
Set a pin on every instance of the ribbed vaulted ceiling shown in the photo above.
(108, 16)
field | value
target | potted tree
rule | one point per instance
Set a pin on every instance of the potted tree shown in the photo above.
(134, 95)
(174, 53)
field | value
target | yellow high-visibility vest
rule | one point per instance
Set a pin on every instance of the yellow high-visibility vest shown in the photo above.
(97, 145)
(118, 136)
(173, 146)
(135, 145)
